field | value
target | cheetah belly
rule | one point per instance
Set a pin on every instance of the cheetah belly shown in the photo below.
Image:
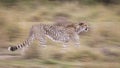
(58, 37)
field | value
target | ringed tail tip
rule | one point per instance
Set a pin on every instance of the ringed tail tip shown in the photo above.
(12, 48)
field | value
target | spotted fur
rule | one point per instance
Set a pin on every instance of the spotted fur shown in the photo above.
(53, 32)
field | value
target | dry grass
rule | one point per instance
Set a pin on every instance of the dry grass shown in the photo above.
(16, 21)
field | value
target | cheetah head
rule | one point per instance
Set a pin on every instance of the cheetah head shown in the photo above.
(81, 27)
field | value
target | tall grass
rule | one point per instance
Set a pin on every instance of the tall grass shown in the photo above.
(16, 21)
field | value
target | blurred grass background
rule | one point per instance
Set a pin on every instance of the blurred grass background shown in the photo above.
(99, 47)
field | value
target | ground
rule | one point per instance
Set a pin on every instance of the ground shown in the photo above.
(15, 60)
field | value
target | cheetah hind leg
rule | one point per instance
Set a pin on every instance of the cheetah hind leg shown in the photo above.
(42, 41)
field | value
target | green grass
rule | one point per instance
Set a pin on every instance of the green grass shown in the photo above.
(55, 64)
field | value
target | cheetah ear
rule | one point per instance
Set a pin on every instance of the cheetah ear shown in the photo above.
(81, 23)
(70, 25)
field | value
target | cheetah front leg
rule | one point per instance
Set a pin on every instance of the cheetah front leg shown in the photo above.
(76, 40)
